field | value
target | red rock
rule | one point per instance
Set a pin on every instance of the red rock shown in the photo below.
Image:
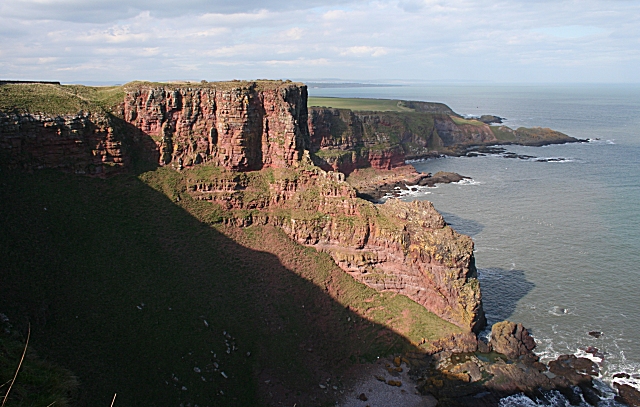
(241, 128)
(512, 340)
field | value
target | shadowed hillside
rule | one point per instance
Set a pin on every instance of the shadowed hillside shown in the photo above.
(134, 294)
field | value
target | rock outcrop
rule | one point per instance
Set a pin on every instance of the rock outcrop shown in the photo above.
(399, 246)
(483, 378)
(512, 340)
(345, 140)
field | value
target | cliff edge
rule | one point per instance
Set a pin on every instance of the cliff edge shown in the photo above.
(242, 147)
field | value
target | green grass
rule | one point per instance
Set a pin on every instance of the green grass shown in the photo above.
(357, 104)
(38, 383)
(503, 133)
(460, 121)
(259, 84)
(41, 98)
(70, 99)
(80, 255)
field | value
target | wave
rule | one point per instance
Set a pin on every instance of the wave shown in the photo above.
(412, 190)
(559, 311)
(552, 398)
(599, 141)
(553, 160)
(468, 181)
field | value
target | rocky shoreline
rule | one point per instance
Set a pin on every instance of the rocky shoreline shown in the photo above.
(469, 372)
(377, 185)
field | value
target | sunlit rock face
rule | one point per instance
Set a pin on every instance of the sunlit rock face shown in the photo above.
(246, 127)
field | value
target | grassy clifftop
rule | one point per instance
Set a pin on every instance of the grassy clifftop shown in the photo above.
(380, 105)
(70, 99)
(57, 99)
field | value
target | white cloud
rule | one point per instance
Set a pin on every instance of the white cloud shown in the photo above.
(364, 50)
(360, 39)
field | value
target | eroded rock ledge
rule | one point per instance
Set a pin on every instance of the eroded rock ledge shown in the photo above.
(399, 246)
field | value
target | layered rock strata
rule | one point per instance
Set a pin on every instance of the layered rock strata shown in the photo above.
(244, 127)
(86, 143)
(345, 140)
(402, 247)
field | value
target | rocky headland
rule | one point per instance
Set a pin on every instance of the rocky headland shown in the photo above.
(253, 154)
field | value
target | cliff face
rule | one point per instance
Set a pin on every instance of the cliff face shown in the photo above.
(452, 133)
(218, 134)
(398, 246)
(241, 128)
(345, 140)
(85, 143)
(385, 139)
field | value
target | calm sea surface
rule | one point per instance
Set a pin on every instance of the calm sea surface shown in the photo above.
(557, 243)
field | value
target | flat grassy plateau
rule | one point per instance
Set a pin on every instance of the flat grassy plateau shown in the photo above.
(375, 105)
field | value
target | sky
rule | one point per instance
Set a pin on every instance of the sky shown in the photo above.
(515, 41)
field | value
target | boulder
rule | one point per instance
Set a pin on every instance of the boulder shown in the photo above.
(627, 394)
(513, 340)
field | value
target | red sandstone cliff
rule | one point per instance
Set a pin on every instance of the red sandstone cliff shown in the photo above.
(246, 127)
(240, 127)
(399, 246)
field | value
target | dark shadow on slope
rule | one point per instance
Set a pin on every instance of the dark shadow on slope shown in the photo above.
(467, 227)
(501, 291)
(139, 298)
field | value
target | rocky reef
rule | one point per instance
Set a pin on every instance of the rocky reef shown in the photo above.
(504, 367)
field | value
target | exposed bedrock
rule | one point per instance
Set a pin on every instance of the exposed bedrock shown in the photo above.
(242, 128)
(398, 246)
(405, 248)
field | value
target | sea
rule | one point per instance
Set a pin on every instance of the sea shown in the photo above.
(556, 231)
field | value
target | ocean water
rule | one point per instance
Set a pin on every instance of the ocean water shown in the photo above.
(557, 243)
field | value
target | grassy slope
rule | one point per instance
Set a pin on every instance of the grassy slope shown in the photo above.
(41, 383)
(58, 99)
(79, 269)
(357, 104)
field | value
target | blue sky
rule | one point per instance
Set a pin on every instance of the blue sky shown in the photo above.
(555, 41)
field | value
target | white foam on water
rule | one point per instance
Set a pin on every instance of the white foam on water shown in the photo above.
(580, 353)
(469, 181)
(399, 192)
(559, 311)
(600, 141)
(552, 160)
(553, 398)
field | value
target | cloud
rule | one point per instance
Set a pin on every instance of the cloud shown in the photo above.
(102, 11)
(364, 50)
(571, 31)
(358, 39)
